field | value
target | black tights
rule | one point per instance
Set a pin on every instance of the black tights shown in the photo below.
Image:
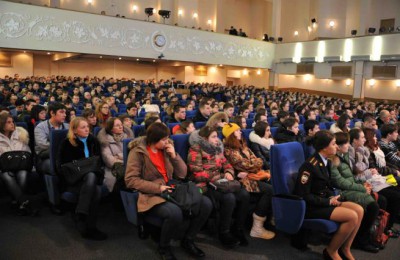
(15, 184)
(371, 212)
(392, 195)
(89, 198)
(173, 218)
(227, 204)
(263, 199)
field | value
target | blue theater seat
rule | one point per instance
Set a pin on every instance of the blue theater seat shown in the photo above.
(22, 124)
(181, 144)
(288, 209)
(274, 130)
(199, 125)
(96, 130)
(246, 134)
(137, 129)
(249, 123)
(171, 125)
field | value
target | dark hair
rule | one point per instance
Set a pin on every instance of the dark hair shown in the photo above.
(289, 122)
(54, 107)
(206, 131)
(260, 128)
(184, 125)
(341, 123)
(130, 105)
(342, 138)
(227, 105)
(36, 110)
(369, 137)
(282, 114)
(354, 134)
(258, 116)
(322, 139)
(238, 120)
(150, 121)
(309, 125)
(367, 117)
(68, 117)
(110, 124)
(155, 132)
(387, 129)
(87, 112)
(177, 108)
(203, 103)
(3, 120)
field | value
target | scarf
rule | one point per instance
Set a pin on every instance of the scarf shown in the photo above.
(380, 158)
(118, 137)
(86, 149)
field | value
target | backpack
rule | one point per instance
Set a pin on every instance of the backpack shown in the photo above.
(378, 235)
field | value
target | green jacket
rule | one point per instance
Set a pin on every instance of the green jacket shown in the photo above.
(342, 178)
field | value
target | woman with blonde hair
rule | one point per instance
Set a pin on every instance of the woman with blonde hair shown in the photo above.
(78, 145)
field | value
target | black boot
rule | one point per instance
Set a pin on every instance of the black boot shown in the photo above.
(191, 248)
(166, 253)
(94, 234)
(239, 234)
(228, 240)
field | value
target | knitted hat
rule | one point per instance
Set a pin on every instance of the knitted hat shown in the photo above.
(228, 129)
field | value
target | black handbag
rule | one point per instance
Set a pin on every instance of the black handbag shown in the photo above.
(14, 161)
(185, 195)
(225, 186)
(74, 171)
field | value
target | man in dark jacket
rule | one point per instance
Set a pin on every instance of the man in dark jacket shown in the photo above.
(179, 114)
(203, 113)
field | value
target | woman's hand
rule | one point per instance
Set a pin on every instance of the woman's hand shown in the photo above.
(368, 187)
(165, 188)
(374, 171)
(242, 175)
(228, 176)
(334, 201)
(170, 149)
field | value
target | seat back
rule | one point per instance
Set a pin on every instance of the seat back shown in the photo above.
(274, 131)
(137, 129)
(56, 138)
(285, 161)
(172, 125)
(22, 124)
(96, 130)
(199, 125)
(181, 144)
(246, 134)
(125, 150)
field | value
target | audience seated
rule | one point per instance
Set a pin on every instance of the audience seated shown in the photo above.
(208, 164)
(342, 125)
(260, 141)
(343, 178)
(78, 145)
(110, 139)
(15, 139)
(314, 186)
(290, 132)
(248, 169)
(359, 155)
(186, 127)
(57, 114)
(152, 164)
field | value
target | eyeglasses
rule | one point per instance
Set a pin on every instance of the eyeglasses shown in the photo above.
(105, 108)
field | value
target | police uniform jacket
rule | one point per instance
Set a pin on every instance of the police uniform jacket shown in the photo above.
(313, 182)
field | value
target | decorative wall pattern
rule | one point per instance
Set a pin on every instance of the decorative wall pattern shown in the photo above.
(61, 30)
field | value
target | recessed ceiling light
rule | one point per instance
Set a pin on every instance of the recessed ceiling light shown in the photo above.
(137, 59)
(120, 58)
(24, 51)
(101, 57)
(220, 65)
(48, 53)
(154, 60)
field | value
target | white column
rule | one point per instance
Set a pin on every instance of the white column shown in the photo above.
(276, 18)
(359, 81)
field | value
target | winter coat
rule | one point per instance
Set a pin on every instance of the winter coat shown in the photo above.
(241, 163)
(111, 152)
(385, 170)
(335, 129)
(207, 163)
(260, 147)
(342, 178)
(286, 136)
(194, 138)
(143, 176)
(359, 158)
(19, 141)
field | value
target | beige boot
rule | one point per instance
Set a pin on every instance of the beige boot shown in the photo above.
(258, 229)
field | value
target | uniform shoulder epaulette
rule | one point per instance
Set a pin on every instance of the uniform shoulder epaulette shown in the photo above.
(313, 160)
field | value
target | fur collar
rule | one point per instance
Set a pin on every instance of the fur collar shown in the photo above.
(195, 138)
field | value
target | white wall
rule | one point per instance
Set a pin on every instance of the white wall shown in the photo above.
(314, 84)
(22, 64)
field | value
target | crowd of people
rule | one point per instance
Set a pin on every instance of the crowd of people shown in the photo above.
(358, 153)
